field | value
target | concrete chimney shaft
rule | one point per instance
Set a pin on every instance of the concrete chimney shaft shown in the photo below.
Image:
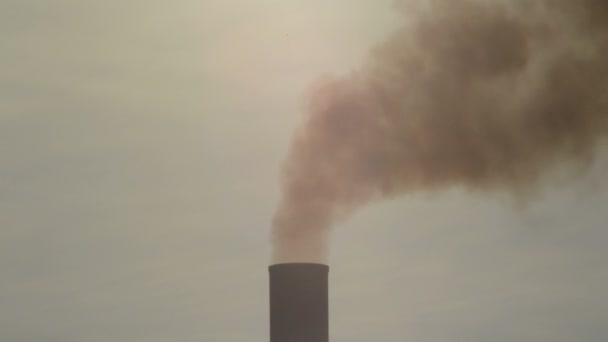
(298, 302)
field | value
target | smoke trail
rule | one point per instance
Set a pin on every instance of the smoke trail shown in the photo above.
(488, 95)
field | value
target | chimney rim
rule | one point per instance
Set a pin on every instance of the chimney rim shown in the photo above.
(298, 264)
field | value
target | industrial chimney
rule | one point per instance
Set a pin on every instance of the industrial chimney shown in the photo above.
(298, 302)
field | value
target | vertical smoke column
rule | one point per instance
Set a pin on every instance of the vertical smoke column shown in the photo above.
(298, 302)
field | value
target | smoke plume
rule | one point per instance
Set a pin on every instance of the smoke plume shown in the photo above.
(488, 95)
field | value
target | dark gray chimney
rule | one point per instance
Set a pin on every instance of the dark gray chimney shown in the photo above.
(298, 302)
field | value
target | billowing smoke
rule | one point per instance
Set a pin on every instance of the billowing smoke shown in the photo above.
(488, 95)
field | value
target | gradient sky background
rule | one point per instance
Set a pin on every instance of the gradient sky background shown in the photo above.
(140, 147)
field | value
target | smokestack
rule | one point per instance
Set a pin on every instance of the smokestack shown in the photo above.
(298, 302)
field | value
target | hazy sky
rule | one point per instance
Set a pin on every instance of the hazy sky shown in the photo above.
(140, 146)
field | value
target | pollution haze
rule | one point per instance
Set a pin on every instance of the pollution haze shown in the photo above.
(487, 95)
(141, 144)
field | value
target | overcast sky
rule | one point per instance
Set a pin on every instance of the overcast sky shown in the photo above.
(140, 146)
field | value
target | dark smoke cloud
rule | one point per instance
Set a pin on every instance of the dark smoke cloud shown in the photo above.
(488, 95)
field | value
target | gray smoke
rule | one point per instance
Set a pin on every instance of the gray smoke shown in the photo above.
(488, 95)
